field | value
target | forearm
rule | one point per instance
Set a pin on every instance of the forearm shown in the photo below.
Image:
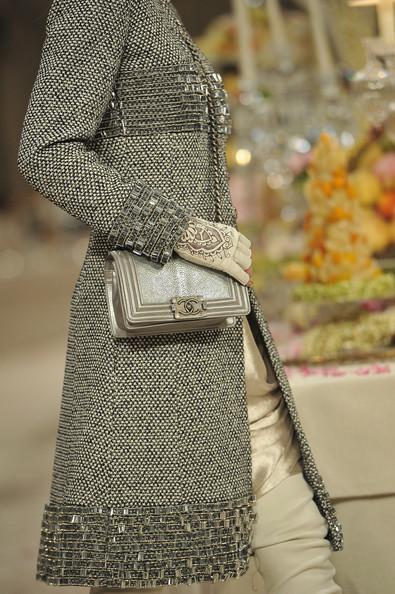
(127, 212)
(80, 59)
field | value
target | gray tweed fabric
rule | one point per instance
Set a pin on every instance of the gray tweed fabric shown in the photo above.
(151, 482)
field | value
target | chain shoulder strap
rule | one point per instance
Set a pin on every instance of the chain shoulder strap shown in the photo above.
(205, 69)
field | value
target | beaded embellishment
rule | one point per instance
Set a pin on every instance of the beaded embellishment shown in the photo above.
(170, 98)
(149, 224)
(146, 546)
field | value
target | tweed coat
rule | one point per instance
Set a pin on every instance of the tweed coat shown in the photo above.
(151, 481)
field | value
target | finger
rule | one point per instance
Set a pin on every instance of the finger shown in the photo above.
(237, 272)
(243, 248)
(244, 260)
(249, 271)
(243, 240)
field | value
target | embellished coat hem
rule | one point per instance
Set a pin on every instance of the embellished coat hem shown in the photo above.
(145, 546)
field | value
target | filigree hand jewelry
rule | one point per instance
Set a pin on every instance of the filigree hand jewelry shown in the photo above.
(216, 245)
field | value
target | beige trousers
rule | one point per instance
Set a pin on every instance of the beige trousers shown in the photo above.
(275, 451)
(289, 545)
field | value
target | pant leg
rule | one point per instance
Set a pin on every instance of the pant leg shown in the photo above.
(289, 544)
(275, 451)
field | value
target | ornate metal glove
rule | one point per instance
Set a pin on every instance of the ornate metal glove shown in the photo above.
(216, 245)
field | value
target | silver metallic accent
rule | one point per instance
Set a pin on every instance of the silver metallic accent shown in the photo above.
(149, 224)
(167, 98)
(147, 546)
(190, 306)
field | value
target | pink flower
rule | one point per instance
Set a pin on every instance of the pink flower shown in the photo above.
(384, 169)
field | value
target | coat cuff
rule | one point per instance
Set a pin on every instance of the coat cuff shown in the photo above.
(149, 224)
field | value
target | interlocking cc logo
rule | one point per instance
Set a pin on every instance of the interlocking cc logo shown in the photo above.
(188, 306)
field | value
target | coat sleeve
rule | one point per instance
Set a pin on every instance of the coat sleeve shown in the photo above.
(80, 58)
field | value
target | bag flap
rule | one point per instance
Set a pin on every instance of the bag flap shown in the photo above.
(146, 289)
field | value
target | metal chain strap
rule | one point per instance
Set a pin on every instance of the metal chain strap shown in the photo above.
(205, 69)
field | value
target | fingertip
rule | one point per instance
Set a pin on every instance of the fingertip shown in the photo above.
(244, 240)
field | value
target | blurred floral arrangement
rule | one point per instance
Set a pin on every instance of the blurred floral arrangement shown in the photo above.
(370, 165)
(343, 301)
(337, 252)
(337, 295)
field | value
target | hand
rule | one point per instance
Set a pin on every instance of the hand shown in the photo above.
(218, 246)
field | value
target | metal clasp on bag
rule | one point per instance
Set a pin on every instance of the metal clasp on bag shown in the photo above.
(188, 306)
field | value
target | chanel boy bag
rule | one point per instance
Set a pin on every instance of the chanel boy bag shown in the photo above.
(179, 296)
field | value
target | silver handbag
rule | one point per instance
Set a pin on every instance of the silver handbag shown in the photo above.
(145, 297)
(179, 296)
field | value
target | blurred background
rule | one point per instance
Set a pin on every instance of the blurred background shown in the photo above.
(312, 173)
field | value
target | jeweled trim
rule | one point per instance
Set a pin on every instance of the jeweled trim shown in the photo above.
(149, 224)
(170, 98)
(145, 546)
(321, 496)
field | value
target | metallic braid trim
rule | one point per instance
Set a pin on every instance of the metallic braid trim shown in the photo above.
(146, 546)
(149, 224)
(168, 98)
(310, 471)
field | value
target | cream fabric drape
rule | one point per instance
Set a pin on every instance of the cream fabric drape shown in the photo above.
(275, 452)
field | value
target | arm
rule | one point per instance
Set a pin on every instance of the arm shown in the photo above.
(80, 58)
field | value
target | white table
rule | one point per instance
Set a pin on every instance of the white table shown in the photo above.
(348, 413)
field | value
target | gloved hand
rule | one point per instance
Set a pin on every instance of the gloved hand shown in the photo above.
(218, 246)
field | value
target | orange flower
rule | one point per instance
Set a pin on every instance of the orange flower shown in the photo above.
(325, 138)
(294, 271)
(336, 257)
(339, 257)
(317, 240)
(317, 259)
(327, 188)
(332, 278)
(354, 236)
(339, 181)
(338, 214)
(307, 221)
(351, 191)
(350, 257)
(339, 171)
(335, 278)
